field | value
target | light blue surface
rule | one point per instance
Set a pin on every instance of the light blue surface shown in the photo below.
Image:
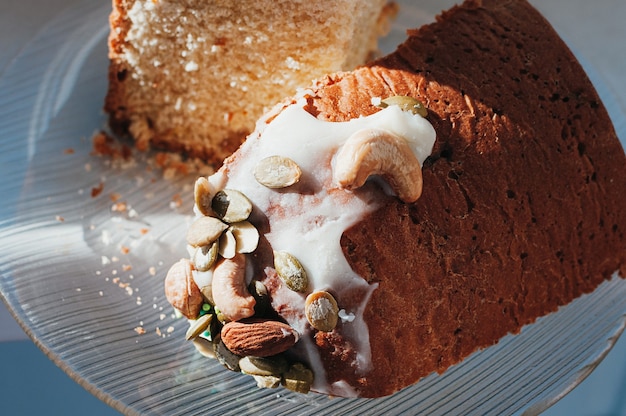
(32, 385)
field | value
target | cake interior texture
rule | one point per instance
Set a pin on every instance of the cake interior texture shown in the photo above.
(193, 76)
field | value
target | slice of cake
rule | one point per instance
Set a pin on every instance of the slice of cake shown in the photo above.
(194, 76)
(387, 222)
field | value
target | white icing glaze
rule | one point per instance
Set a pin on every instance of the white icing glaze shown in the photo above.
(309, 224)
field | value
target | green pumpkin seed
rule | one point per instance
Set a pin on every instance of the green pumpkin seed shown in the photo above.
(321, 311)
(406, 103)
(277, 172)
(298, 378)
(291, 271)
(198, 326)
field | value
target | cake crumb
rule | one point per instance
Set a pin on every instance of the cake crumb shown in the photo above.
(97, 190)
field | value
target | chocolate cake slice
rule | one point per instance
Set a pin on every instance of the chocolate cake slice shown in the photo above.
(521, 210)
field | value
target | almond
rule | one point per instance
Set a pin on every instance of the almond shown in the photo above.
(182, 291)
(258, 338)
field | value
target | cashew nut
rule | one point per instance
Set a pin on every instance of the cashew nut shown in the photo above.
(378, 152)
(230, 293)
(182, 291)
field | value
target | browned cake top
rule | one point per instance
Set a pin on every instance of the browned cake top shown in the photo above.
(522, 209)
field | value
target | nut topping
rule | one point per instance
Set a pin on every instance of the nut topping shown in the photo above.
(203, 195)
(181, 290)
(258, 338)
(198, 326)
(231, 206)
(204, 257)
(321, 311)
(229, 289)
(378, 152)
(228, 245)
(291, 271)
(298, 378)
(246, 236)
(263, 366)
(277, 172)
(204, 231)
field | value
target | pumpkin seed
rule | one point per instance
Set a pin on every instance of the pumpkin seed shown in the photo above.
(298, 378)
(204, 257)
(321, 311)
(228, 245)
(277, 172)
(198, 326)
(291, 271)
(406, 103)
(263, 366)
(246, 236)
(231, 206)
(204, 231)
(203, 195)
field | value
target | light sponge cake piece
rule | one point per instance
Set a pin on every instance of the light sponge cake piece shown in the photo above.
(495, 206)
(194, 76)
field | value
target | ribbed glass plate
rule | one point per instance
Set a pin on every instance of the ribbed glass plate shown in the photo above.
(84, 279)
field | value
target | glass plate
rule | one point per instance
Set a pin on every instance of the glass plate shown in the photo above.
(84, 277)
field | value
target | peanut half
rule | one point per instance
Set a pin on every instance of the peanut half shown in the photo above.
(378, 152)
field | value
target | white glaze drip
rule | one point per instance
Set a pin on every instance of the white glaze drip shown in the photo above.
(309, 225)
